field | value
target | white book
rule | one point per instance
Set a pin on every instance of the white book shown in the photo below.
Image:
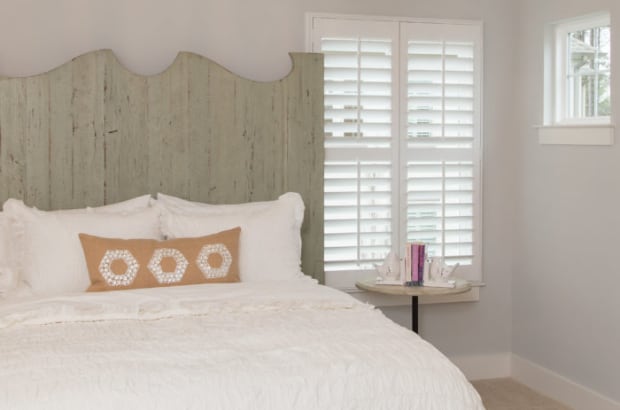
(389, 282)
(436, 284)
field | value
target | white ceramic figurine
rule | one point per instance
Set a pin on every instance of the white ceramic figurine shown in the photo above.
(390, 268)
(439, 271)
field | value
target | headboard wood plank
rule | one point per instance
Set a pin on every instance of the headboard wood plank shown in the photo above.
(91, 132)
(304, 165)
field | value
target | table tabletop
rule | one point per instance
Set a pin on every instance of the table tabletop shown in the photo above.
(371, 286)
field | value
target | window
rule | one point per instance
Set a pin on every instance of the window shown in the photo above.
(402, 141)
(583, 57)
(578, 82)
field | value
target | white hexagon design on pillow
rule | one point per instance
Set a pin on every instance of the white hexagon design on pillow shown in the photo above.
(168, 277)
(113, 279)
(209, 271)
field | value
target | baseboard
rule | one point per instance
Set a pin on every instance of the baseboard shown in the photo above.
(545, 381)
(558, 387)
(488, 366)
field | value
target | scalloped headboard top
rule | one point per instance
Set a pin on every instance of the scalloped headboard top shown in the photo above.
(90, 132)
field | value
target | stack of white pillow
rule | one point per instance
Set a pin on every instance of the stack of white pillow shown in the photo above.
(40, 250)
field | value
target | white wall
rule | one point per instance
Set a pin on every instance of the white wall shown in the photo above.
(566, 309)
(252, 39)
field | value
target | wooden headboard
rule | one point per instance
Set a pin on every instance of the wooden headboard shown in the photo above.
(90, 132)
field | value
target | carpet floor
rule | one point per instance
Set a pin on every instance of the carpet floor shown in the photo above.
(507, 394)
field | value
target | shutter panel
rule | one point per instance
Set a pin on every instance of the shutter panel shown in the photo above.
(440, 85)
(358, 92)
(359, 133)
(358, 214)
(440, 208)
(442, 142)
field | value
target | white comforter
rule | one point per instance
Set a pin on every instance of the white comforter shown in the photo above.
(277, 345)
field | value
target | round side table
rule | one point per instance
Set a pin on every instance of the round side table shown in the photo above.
(413, 291)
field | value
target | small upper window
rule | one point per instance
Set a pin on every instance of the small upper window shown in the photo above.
(582, 71)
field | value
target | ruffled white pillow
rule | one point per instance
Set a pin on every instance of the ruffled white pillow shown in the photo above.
(8, 278)
(270, 241)
(46, 251)
(180, 205)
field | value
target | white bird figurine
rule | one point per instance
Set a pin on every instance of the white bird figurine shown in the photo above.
(447, 271)
(390, 268)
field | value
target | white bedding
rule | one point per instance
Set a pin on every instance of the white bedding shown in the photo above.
(269, 345)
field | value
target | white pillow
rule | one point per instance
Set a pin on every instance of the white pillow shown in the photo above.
(179, 205)
(47, 251)
(11, 238)
(8, 277)
(131, 205)
(270, 241)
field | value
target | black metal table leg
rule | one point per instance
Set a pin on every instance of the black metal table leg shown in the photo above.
(414, 313)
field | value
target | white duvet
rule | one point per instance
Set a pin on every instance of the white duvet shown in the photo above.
(275, 345)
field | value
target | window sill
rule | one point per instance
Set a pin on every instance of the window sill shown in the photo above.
(573, 134)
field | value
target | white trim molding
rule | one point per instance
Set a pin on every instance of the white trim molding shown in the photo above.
(559, 387)
(576, 134)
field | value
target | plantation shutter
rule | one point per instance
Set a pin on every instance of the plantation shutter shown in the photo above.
(402, 141)
(360, 125)
(442, 76)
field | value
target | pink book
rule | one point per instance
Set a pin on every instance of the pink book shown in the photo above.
(421, 259)
(415, 262)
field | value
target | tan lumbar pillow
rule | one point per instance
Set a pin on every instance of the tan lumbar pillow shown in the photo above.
(115, 264)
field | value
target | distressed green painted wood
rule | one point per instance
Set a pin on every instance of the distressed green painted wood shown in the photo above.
(91, 132)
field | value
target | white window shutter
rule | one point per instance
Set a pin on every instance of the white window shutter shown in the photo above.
(360, 126)
(442, 149)
(402, 141)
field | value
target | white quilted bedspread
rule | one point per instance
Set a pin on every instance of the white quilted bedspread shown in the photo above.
(277, 345)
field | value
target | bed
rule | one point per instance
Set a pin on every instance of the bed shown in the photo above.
(94, 137)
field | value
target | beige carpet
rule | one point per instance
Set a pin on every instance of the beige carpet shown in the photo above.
(507, 394)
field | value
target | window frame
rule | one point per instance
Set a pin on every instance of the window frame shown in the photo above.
(346, 279)
(555, 128)
(560, 68)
